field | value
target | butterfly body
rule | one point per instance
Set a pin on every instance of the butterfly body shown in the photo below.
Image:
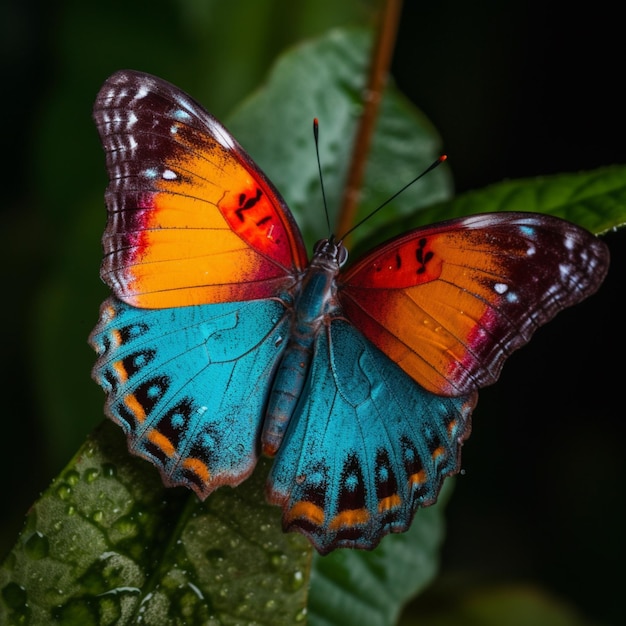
(222, 341)
(315, 304)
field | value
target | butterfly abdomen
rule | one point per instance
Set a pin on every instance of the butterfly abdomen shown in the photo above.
(314, 304)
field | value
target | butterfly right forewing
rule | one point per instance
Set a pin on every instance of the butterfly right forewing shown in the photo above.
(450, 302)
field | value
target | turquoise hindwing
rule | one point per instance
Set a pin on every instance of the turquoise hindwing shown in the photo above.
(366, 447)
(189, 385)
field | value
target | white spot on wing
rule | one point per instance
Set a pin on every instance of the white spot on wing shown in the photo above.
(181, 115)
(220, 134)
(142, 92)
(566, 271)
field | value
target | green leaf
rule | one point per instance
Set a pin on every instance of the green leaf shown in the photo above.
(595, 200)
(325, 78)
(107, 543)
(349, 587)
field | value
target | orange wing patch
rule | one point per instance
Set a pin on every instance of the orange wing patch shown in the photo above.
(420, 303)
(192, 220)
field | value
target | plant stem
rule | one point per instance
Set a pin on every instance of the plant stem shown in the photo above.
(379, 69)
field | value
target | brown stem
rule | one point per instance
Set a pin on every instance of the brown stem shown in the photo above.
(379, 69)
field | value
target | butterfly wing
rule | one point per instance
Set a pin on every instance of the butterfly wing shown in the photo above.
(450, 302)
(191, 219)
(189, 385)
(366, 447)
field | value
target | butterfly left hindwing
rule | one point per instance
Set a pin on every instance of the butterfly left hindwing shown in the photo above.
(165, 372)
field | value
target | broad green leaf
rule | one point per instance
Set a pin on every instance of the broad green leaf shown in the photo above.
(370, 588)
(325, 78)
(595, 200)
(108, 544)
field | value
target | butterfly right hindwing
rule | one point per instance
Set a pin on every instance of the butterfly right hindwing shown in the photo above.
(366, 447)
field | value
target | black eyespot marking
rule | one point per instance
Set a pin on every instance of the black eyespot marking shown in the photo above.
(422, 259)
(245, 203)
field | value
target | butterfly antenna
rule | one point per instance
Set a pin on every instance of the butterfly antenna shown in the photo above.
(431, 167)
(316, 135)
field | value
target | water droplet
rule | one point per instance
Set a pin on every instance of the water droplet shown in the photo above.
(301, 615)
(37, 546)
(64, 491)
(196, 590)
(125, 526)
(72, 477)
(15, 596)
(91, 474)
(97, 516)
(297, 580)
(278, 560)
(109, 470)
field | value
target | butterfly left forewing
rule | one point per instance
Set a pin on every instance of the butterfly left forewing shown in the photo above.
(191, 219)
(449, 303)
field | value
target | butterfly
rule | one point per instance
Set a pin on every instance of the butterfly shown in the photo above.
(223, 341)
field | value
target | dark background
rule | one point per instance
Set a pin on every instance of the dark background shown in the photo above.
(516, 90)
(520, 90)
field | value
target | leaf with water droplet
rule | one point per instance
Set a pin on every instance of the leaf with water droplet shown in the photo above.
(133, 547)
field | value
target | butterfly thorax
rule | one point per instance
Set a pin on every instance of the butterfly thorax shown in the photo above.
(315, 304)
(317, 294)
